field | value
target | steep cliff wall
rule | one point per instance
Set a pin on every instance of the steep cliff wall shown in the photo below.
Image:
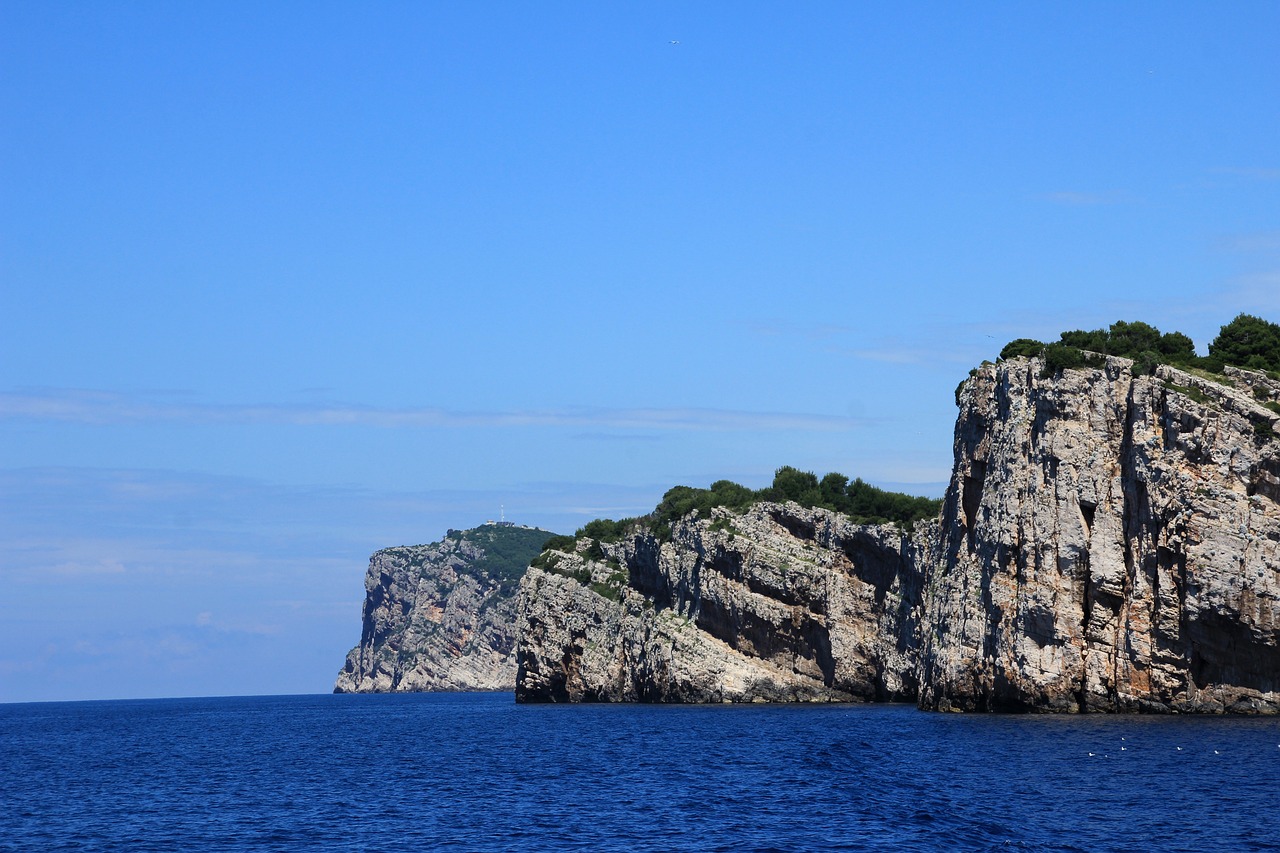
(777, 603)
(1108, 542)
(442, 616)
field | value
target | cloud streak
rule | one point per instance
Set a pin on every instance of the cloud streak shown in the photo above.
(102, 408)
(1250, 173)
(1260, 241)
(1076, 198)
(939, 344)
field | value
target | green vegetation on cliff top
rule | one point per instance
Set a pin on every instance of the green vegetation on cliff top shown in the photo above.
(507, 549)
(1247, 341)
(862, 502)
(505, 552)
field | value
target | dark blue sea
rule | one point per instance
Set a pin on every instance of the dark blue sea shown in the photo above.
(476, 772)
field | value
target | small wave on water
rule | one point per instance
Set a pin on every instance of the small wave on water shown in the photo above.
(476, 772)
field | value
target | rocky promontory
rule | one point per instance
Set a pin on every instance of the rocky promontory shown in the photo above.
(1109, 541)
(442, 616)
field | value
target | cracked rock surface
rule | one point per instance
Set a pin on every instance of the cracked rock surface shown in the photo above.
(440, 616)
(1108, 542)
(777, 604)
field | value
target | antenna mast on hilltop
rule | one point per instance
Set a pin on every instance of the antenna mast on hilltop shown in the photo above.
(502, 512)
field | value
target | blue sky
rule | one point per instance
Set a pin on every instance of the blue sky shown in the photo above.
(282, 284)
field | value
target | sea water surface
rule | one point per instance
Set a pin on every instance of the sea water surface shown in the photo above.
(476, 772)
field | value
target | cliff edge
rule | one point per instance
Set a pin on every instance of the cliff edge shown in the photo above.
(1109, 541)
(442, 616)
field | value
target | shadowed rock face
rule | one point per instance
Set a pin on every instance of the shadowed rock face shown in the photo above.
(442, 616)
(1108, 543)
(777, 604)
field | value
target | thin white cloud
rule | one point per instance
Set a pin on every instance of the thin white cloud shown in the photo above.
(1073, 197)
(937, 345)
(103, 408)
(79, 568)
(619, 438)
(809, 331)
(1259, 241)
(205, 620)
(901, 355)
(1252, 173)
(1255, 293)
(953, 351)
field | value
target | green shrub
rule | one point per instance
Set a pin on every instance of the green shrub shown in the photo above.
(1211, 364)
(547, 561)
(560, 543)
(724, 524)
(505, 551)
(1177, 348)
(1060, 357)
(1248, 341)
(1189, 391)
(1027, 347)
(606, 529)
(679, 501)
(1145, 363)
(862, 502)
(792, 484)
(1132, 339)
(604, 590)
(1095, 341)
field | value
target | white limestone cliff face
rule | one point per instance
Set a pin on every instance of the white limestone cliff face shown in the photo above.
(1108, 543)
(777, 604)
(434, 619)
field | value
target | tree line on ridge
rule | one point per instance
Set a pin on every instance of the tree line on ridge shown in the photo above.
(1247, 341)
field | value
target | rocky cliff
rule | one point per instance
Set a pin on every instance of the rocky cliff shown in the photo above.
(1108, 542)
(442, 616)
(778, 603)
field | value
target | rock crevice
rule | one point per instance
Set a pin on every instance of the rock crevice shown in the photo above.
(1148, 586)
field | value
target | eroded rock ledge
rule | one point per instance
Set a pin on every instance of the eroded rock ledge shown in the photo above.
(777, 604)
